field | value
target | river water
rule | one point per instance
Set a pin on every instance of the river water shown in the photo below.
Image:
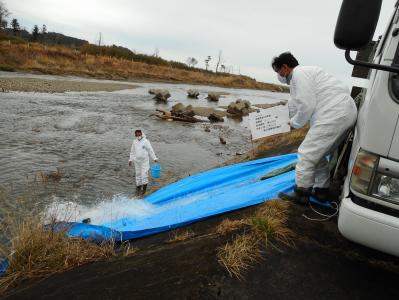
(88, 135)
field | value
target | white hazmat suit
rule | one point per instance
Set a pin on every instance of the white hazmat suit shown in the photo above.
(140, 155)
(323, 100)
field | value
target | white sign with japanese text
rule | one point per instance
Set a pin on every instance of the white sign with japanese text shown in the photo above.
(267, 122)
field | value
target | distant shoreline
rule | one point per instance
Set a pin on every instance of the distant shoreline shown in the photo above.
(39, 85)
(57, 60)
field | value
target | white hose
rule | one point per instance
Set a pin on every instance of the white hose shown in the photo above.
(326, 217)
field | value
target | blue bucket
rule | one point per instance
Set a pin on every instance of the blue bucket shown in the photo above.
(156, 171)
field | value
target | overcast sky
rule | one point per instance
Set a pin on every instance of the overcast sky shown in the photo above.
(249, 33)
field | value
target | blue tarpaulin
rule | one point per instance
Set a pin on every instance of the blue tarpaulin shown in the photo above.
(197, 197)
(3, 266)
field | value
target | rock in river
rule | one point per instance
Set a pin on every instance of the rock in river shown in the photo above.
(193, 94)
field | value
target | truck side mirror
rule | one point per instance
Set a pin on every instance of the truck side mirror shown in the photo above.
(356, 23)
(355, 28)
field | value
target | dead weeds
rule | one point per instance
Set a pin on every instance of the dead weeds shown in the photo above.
(54, 176)
(240, 254)
(180, 235)
(228, 225)
(64, 61)
(36, 250)
(267, 226)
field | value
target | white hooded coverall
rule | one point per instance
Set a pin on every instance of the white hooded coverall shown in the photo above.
(324, 101)
(140, 154)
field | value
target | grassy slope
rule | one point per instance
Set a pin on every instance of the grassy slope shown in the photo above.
(59, 60)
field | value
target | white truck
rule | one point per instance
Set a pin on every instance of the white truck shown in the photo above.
(369, 210)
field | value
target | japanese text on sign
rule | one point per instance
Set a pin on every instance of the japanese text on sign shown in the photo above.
(267, 122)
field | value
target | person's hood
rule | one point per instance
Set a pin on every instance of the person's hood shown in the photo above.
(143, 135)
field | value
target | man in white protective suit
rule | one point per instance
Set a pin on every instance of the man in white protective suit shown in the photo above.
(140, 155)
(325, 102)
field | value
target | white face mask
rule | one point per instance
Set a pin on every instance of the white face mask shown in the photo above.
(282, 79)
(139, 137)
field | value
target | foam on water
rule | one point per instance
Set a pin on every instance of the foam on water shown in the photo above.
(109, 212)
(106, 211)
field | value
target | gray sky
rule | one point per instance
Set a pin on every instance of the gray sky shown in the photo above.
(249, 33)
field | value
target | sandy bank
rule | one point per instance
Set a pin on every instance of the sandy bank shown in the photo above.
(58, 86)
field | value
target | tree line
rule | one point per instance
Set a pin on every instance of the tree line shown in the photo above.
(42, 35)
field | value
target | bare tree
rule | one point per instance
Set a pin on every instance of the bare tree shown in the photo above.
(44, 29)
(191, 61)
(4, 13)
(15, 26)
(207, 60)
(156, 52)
(219, 60)
(35, 33)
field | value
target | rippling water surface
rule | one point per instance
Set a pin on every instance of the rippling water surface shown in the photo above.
(88, 137)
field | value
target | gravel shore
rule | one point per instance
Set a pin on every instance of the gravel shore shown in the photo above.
(58, 86)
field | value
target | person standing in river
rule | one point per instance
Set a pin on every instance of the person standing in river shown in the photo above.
(140, 155)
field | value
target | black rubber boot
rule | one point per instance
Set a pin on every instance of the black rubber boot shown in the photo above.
(321, 194)
(299, 195)
(138, 190)
(144, 189)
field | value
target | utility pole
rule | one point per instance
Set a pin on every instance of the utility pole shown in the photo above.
(219, 60)
(99, 40)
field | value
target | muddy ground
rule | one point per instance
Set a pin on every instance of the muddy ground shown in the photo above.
(322, 265)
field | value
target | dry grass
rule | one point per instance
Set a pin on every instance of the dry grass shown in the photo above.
(278, 141)
(60, 60)
(180, 235)
(228, 225)
(239, 255)
(128, 249)
(35, 251)
(38, 253)
(268, 224)
(44, 178)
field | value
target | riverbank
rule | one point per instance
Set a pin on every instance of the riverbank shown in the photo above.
(57, 60)
(79, 143)
(321, 265)
(25, 84)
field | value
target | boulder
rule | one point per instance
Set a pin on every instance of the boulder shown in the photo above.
(193, 94)
(152, 91)
(213, 96)
(222, 140)
(239, 108)
(215, 118)
(178, 108)
(162, 95)
(189, 111)
(283, 102)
